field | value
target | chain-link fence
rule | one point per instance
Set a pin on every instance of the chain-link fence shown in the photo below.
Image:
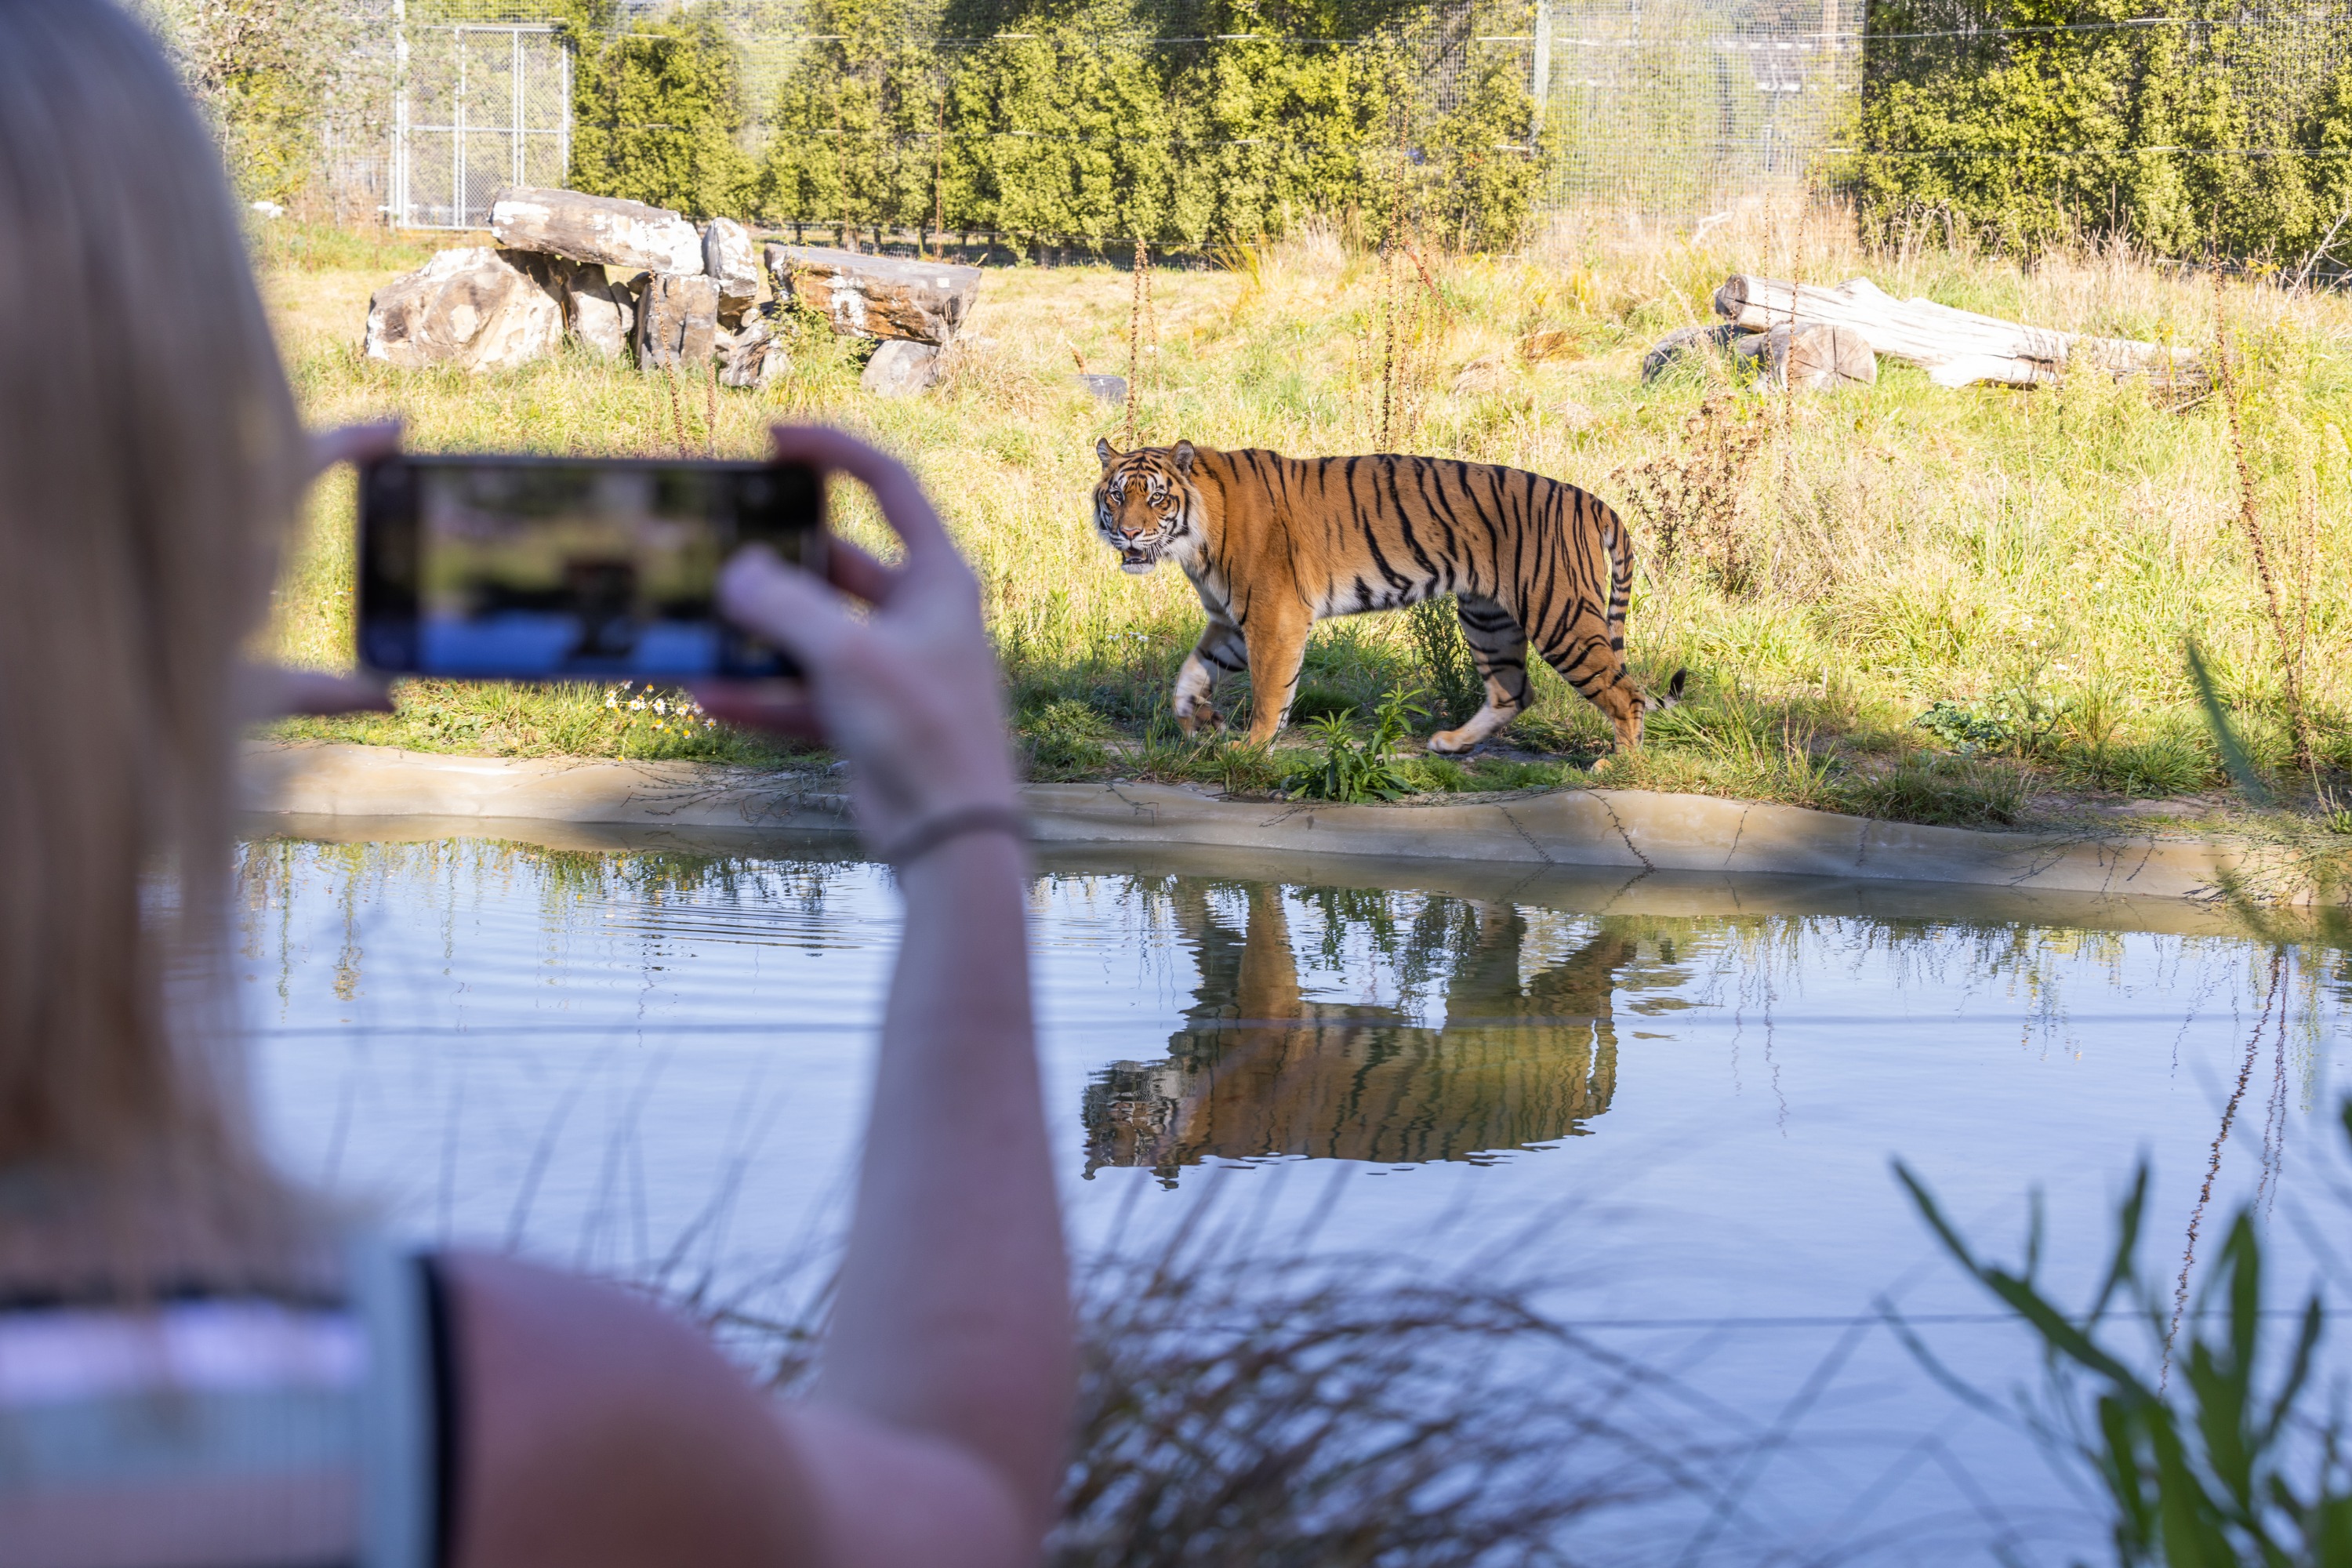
(1664, 114)
(476, 105)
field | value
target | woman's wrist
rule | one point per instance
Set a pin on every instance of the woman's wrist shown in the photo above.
(932, 831)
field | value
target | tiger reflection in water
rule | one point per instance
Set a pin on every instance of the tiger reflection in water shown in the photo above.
(1261, 1069)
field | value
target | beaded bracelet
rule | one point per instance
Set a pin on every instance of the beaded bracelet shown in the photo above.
(926, 836)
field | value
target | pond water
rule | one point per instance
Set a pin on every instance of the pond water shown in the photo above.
(1675, 1100)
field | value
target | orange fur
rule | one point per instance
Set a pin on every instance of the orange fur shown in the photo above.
(1273, 544)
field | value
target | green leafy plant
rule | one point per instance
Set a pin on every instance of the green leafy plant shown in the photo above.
(1350, 770)
(2219, 1460)
(1453, 675)
(1965, 730)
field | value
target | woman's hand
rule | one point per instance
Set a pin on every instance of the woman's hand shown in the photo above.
(909, 693)
(266, 691)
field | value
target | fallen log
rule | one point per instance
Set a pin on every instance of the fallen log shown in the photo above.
(1954, 347)
(876, 296)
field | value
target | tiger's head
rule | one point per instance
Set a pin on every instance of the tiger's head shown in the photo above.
(1146, 505)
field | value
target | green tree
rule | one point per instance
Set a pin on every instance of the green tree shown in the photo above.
(657, 107)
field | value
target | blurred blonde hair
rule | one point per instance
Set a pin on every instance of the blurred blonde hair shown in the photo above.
(150, 454)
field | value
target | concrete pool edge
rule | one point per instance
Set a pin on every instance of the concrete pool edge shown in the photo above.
(1635, 831)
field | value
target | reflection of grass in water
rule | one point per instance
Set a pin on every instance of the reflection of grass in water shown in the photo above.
(1241, 1406)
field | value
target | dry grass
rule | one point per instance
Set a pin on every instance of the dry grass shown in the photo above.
(1239, 1406)
(2042, 554)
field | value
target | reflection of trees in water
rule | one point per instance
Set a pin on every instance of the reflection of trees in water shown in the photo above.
(1260, 1067)
(568, 885)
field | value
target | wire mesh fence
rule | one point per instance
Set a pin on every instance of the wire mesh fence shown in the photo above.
(477, 106)
(1666, 115)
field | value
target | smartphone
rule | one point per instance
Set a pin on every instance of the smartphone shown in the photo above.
(508, 568)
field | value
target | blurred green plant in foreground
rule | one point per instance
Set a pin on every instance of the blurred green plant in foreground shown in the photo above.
(2220, 1459)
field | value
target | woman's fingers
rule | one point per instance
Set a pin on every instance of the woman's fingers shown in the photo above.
(354, 443)
(855, 571)
(266, 691)
(904, 506)
(782, 605)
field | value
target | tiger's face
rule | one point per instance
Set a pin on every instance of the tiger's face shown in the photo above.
(1145, 503)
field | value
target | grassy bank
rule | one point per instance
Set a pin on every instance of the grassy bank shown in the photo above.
(1832, 569)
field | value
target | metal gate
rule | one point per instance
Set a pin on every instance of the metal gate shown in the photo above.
(478, 106)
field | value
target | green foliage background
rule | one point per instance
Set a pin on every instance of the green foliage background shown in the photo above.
(1084, 121)
(2045, 120)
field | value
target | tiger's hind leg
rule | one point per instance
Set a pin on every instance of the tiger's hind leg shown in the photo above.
(1499, 648)
(1594, 664)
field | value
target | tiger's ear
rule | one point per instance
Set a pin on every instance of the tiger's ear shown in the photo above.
(1106, 451)
(1184, 457)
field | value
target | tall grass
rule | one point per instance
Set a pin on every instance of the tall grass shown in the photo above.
(1239, 1406)
(1838, 562)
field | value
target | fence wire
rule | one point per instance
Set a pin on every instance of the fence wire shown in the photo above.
(1663, 114)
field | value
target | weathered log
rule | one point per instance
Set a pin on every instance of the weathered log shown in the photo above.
(876, 296)
(474, 308)
(1683, 343)
(678, 320)
(728, 257)
(1811, 356)
(596, 228)
(1954, 347)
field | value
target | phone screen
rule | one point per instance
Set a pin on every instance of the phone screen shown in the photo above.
(549, 568)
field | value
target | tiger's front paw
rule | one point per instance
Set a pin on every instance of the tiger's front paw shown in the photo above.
(1197, 719)
(1454, 743)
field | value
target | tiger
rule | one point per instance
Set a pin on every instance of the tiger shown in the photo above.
(1273, 544)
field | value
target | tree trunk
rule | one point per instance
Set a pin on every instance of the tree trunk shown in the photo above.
(1954, 347)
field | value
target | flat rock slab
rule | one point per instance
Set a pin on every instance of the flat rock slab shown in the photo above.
(876, 296)
(1629, 831)
(473, 309)
(596, 228)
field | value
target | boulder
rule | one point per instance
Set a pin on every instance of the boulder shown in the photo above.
(1105, 388)
(1812, 356)
(876, 296)
(899, 367)
(601, 312)
(751, 356)
(596, 228)
(678, 320)
(474, 308)
(728, 257)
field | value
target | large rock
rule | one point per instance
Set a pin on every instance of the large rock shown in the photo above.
(751, 356)
(901, 367)
(596, 228)
(474, 308)
(678, 320)
(876, 296)
(728, 257)
(601, 312)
